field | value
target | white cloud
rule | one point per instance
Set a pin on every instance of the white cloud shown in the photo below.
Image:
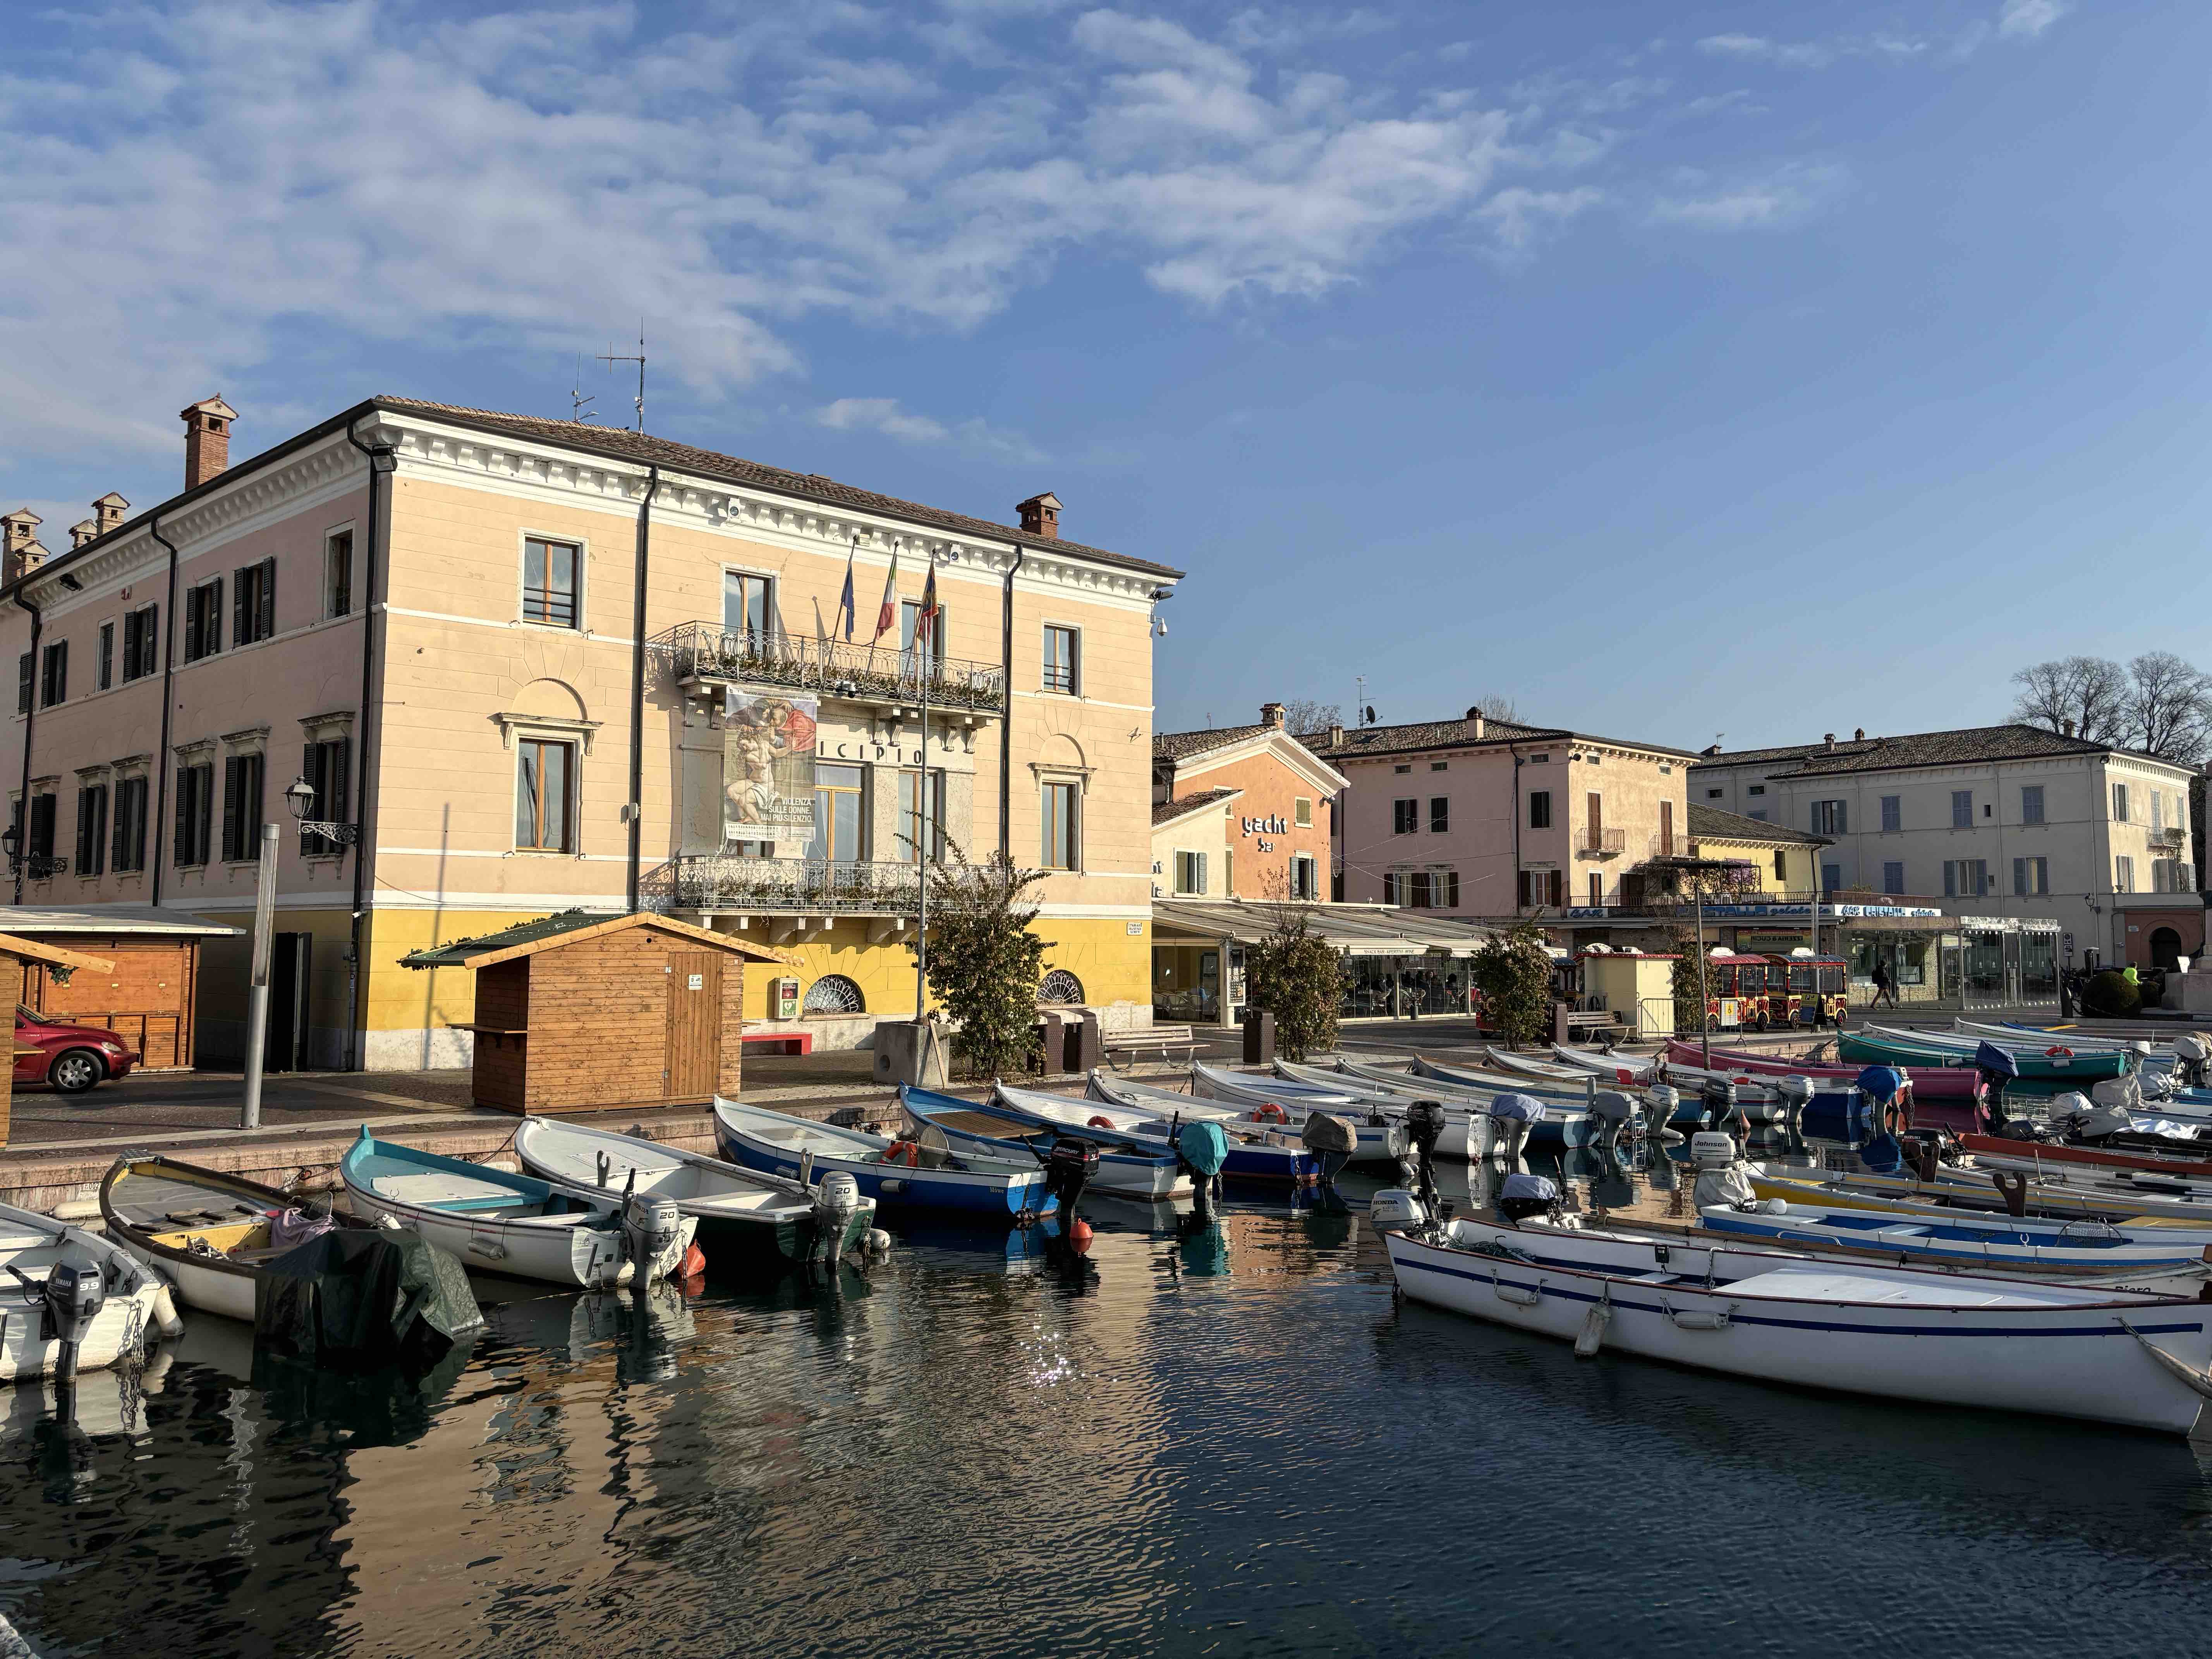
(1519, 215)
(2027, 19)
(1780, 199)
(884, 415)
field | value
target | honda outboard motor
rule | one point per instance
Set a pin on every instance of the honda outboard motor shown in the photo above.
(2192, 1060)
(1394, 1210)
(1425, 1127)
(836, 1201)
(1067, 1170)
(1796, 1093)
(1663, 1100)
(1615, 1112)
(650, 1225)
(1331, 1141)
(1521, 1196)
(1516, 1114)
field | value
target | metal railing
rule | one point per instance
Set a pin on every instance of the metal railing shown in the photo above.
(829, 668)
(713, 881)
(2171, 836)
(1598, 844)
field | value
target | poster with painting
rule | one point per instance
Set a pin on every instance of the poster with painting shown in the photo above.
(768, 767)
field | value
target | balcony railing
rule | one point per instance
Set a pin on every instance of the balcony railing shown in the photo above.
(701, 653)
(1598, 844)
(789, 886)
(2169, 837)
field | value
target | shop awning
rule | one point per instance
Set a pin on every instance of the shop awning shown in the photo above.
(1359, 930)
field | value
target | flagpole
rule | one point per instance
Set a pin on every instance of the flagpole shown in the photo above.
(922, 851)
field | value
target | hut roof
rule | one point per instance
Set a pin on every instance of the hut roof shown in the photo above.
(571, 928)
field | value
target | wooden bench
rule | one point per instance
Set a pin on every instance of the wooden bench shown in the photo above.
(1567, 1023)
(779, 1042)
(1155, 1039)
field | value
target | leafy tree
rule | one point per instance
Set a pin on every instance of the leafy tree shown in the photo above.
(1298, 976)
(1514, 971)
(985, 964)
(1689, 1006)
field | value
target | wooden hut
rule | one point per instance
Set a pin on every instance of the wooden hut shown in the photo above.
(16, 955)
(149, 995)
(579, 1012)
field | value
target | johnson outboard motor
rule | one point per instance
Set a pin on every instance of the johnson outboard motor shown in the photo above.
(1663, 1101)
(1516, 1114)
(2192, 1060)
(1330, 1141)
(1425, 1127)
(1068, 1169)
(836, 1201)
(1521, 1196)
(1797, 1094)
(1722, 1176)
(1615, 1113)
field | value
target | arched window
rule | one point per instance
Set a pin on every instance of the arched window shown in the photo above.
(1060, 986)
(833, 993)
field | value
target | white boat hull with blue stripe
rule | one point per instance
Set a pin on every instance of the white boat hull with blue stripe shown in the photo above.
(2013, 1344)
(999, 1189)
(1255, 1152)
(1124, 1174)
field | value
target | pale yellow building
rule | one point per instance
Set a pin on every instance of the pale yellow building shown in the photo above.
(525, 665)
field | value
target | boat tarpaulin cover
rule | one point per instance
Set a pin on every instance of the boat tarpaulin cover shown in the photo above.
(361, 1297)
(1991, 1058)
(1204, 1147)
(1882, 1082)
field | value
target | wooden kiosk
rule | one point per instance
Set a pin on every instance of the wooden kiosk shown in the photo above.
(584, 1012)
(17, 955)
(149, 996)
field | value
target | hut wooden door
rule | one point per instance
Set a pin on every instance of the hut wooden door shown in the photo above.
(695, 1025)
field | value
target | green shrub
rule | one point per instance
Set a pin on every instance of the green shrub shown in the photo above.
(1514, 971)
(2111, 995)
(1298, 976)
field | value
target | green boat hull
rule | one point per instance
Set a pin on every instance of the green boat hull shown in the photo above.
(2037, 1070)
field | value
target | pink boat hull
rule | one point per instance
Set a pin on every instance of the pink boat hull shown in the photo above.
(1943, 1096)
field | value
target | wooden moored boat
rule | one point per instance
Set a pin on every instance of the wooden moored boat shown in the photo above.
(1255, 1152)
(981, 1126)
(1381, 1136)
(905, 1174)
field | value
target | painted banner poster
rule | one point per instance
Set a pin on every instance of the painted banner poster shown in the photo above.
(768, 767)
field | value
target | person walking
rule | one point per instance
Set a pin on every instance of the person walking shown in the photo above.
(1883, 986)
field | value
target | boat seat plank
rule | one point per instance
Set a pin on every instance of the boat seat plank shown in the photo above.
(445, 1189)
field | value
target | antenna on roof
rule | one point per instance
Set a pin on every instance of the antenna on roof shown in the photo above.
(577, 400)
(1361, 712)
(611, 359)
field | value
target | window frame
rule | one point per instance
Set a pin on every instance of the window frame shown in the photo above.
(1440, 815)
(92, 829)
(53, 674)
(1187, 864)
(1071, 827)
(1831, 816)
(333, 589)
(203, 620)
(1897, 864)
(1048, 671)
(526, 746)
(148, 642)
(1539, 809)
(194, 847)
(2031, 791)
(244, 811)
(579, 548)
(912, 794)
(1406, 815)
(2124, 873)
(1302, 812)
(740, 576)
(2120, 805)
(253, 603)
(103, 664)
(127, 853)
(1893, 815)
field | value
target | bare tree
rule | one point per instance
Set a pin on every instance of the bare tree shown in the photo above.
(2169, 707)
(1304, 716)
(1497, 705)
(2088, 693)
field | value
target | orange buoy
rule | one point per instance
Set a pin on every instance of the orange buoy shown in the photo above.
(1079, 1234)
(694, 1263)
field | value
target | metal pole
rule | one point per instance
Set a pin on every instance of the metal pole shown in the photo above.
(927, 624)
(1704, 1015)
(257, 1002)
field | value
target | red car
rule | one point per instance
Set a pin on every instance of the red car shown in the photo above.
(70, 1057)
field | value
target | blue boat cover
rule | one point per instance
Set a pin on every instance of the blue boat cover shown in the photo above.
(1525, 1108)
(1991, 1058)
(1204, 1147)
(1542, 1189)
(1882, 1082)
(1882, 1155)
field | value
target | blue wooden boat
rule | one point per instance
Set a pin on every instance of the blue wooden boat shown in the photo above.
(1254, 1153)
(909, 1173)
(984, 1128)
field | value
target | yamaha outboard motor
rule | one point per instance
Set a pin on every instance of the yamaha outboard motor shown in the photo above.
(1331, 1141)
(1067, 1170)
(74, 1293)
(1797, 1094)
(1521, 1196)
(1615, 1112)
(1517, 1114)
(2192, 1060)
(1663, 1100)
(836, 1201)
(1425, 1127)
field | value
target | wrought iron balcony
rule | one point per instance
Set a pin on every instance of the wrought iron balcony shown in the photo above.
(701, 653)
(781, 886)
(2172, 836)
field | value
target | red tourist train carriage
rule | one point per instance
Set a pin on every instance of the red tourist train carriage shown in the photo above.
(1745, 991)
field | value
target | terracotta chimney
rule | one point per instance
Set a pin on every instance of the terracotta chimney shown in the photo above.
(207, 440)
(1336, 735)
(1476, 726)
(1040, 515)
(2066, 728)
(1859, 735)
(1829, 738)
(109, 510)
(1271, 716)
(19, 544)
(80, 532)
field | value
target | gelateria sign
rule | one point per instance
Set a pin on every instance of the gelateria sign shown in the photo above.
(1263, 827)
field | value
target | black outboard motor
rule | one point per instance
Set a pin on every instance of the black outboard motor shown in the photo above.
(1425, 1127)
(1997, 1067)
(75, 1292)
(1615, 1113)
(1521, 1196)
(1068, 1169)
(1330, 1141)
(1721, 1108)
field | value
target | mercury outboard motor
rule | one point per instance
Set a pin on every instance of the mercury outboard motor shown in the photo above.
(1797, 1094)
(2192, 1060)
(1614, 1112)
(1067, 1170)
(836, 1201)
(1521, 1196)
(1663, 1101)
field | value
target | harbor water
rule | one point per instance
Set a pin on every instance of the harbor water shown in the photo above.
(1219, 1439)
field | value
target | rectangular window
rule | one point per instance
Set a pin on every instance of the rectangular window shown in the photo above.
(195, 813)
(1444, 884)
(1439, 815)
(2157, 810)
(912, 831)
(841, 814)
(1893, 876)
(1756, 789)
(53, 675)
(1229, 870)
(1892, 814)
(545, 796)
(2169, 876)
(1831, 818)
(337, 574)
(1832, 877)
(92, 830)
(1305, 878)
(1401, 768)
(2031, 877)
(1389, 887)
(141, 656)
(326, 765)
(910, 619)
(1596, 890)
(2120, 802)
(1715, 794)
(106, 676)
(253, 603)
(1063, 832)
(1666, 829)
(549, 570)
(26, 676)
(203, 620)
(1781, 868)
(1595, 807)
(747, 606)
(40, 842)
(2123, 871)
(2030, 803)
(1962, 809)
(241, 808)
(1190, 874)
(1540, 810)
(129, 844)
(1059, 659)
(1966, 878)
(1302, 812)
(1439, 766)
(1418, 890)
(1541, 887)
(1405, 816)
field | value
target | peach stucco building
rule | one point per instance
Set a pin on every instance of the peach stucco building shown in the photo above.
(527, 665)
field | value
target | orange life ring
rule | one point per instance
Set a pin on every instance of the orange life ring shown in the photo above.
(1099, 1122)
(1271, 1113)
(2058, 1053)
(902, 1151)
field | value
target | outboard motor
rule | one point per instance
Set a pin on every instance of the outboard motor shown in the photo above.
(1331, 1141)
(1997, 1067)
(1721, 1107)
(1796, 1093)
(1615, 1113)
(1067, 1170)
(1202, 1148)
(1516, 1114)
(2192, 1060)
(2103, 1115)
(1394, 1210)
(74, 1293)
(1425, 1127)
(1722, 1176)
(836, 1201)
(1521, 1196)
(650, 1225)
(2118, 1094)
(1662, 1100)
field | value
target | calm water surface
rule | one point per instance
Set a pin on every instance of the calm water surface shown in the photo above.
(1235, 1443)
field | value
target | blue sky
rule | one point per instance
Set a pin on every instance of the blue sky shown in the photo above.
(1755, 369)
